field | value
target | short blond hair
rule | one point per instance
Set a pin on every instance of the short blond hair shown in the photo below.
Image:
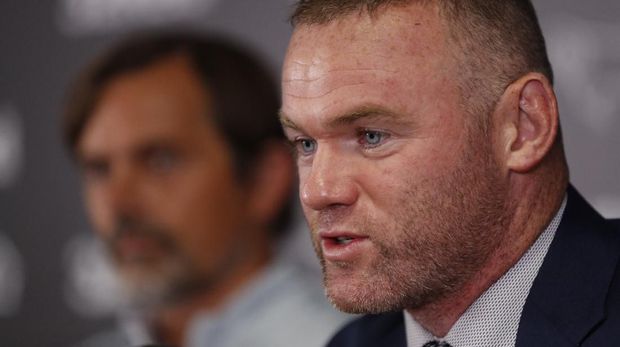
(497, 41)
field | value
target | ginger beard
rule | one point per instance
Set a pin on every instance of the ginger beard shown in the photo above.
(431, 240)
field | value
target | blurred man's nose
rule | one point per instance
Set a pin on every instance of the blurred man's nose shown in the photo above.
(123, 192)
(329, 181)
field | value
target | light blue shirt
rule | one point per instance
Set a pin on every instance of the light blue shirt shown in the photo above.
(283, 306)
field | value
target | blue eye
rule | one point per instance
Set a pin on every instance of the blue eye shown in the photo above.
(371, 138)
(306, 146)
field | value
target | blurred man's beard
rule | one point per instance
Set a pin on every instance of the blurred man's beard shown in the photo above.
(152, 280)
(436, 237)
(152, 286)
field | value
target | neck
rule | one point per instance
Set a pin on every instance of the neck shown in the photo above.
(171, 322)
(532, 206)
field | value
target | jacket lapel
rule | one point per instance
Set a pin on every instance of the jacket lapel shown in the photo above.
(389, 330)
(567, 298)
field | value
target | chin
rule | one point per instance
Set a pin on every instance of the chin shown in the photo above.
(373, 294)
(153, 285)
(361, 296)
(144, 289)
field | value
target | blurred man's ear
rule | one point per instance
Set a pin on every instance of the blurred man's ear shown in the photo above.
(527, 115)
(271, 183)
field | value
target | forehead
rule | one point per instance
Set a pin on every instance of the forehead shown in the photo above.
(404, 28)
(402, 48)
(163, 99)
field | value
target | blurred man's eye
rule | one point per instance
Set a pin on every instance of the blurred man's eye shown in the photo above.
(162, 160)
(95, 170)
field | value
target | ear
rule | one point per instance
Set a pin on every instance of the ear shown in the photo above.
(271, 183)
(528, 119)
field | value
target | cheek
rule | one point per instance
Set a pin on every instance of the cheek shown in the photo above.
(384, 178)
(98, 210)
(207, 213)
(388, 182)
(303, 173)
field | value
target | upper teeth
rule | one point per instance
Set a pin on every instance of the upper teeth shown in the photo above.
(343, 239)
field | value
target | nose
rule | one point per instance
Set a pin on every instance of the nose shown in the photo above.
(123, 192)
(329, 182)
(120, 196)
(110, 195)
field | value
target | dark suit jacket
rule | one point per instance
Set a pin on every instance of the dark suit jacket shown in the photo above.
(574, 301)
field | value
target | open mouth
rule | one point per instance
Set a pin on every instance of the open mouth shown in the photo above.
(339, 240)
(342, 240)
(343, 246)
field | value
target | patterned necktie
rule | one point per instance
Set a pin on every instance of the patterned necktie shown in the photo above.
(436, 343)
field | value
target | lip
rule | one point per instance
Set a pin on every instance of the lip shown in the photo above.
(133, 248)
(335, 251)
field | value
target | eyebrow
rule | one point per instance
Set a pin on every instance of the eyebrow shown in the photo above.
(286, 121)
(366, 112)
(135, 151)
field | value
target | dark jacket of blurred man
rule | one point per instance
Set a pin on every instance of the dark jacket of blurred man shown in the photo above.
(432, 173)
(187, 181)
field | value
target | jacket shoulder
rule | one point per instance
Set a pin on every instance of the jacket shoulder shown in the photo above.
(575, 297)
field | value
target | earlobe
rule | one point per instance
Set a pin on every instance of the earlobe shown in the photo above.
(535, 123)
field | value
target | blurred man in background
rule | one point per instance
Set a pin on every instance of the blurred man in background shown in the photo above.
(187, 182)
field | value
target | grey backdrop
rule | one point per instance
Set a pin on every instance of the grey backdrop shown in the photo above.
(45, 298)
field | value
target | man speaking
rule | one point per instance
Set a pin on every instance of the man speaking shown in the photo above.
(433, 177)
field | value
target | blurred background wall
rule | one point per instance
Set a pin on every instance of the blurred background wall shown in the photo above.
(53, 288)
